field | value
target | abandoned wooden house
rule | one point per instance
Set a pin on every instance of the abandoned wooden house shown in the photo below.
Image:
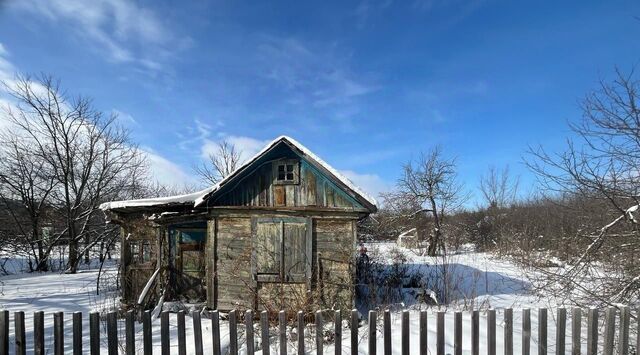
(279, 232)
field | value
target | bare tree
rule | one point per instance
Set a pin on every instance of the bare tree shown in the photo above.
(430, 185)
(498, 188)
(220, 164)
(89, 157)
(602, 164)
(25, 187)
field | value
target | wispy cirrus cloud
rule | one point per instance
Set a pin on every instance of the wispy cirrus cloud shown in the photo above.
(124, 30)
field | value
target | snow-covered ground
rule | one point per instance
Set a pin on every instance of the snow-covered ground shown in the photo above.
(482, 280)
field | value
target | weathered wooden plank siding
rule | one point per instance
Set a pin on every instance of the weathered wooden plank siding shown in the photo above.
(137, 234)
(334, 250)
(313, 189)
(234, 263)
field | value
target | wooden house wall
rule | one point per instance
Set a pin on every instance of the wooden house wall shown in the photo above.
(313, 189)
(233, 255)
(334, 250)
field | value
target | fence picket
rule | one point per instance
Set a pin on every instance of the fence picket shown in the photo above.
(197, 332)
(130, 333)
(319, 333)
(609, 330)
(58, 333)
(542, 331)
(491, 332)
(38, 333)
(147, 347)
(354, 332)
(248, 323)
(337, 324)
(94, 333)
(372, 332)
(233, 332)
(561, 326)
(282, 322)
(387, 331)
(215, 331)
(440, 333)
(508, 331)
(406, 333)
(576, 331)
(264, 332)
(457, 333)
(300, 333)
(112, 333)
(164, 333)
(475, 333)
(526, 331)
(21, 343)
(592, 332)
(424, 333)
(4, 332)
(623, 337)
(182, 333)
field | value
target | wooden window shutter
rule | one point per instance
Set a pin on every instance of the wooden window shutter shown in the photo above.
(268, 249)
(295, 251)
(282, 249)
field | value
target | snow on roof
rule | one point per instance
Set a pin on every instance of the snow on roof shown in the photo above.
(200, 196)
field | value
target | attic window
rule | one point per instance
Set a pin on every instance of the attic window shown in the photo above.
(286, 172)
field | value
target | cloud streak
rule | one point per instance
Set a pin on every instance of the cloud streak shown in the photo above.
(124, 30)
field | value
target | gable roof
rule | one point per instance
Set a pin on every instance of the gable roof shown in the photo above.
(198, 198)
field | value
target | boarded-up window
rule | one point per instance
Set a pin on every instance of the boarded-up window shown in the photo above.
(281, 247)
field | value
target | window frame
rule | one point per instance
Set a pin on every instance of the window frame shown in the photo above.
(295, 163)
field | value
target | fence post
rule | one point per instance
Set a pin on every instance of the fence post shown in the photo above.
(372, 332)
(609, 330)
(112, 333)
(38, 333)
(440, 335)
(542, 331)
(508, 331)
(300, 333)
(561, 326)
(182, 333)
(526, 331)
(94, 333)
(264, 332)
(165, 343)
(475, 333)
(424, 334)
(576, 331)
(282, 322)
(457, 333)
(623, 337)
(215, 331)
(248, 323)
(387, 331)
(58, 333)
(197, 332)
(337, 323)
(4, 332)
(147, 344)
(21, 343)
(130, 333)
(354, 332)
(406, 333)
(592, 332)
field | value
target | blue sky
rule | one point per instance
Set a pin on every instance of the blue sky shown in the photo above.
(364, 84)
